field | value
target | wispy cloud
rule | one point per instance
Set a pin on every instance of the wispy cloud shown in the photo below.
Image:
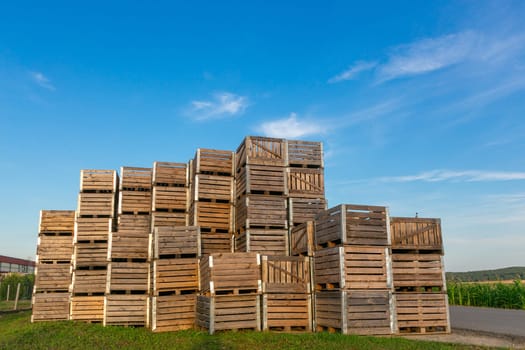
(291, 127)
(222, 104)
(457, 176)
(42, 80)
(353, 71)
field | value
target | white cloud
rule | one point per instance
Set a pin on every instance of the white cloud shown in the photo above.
(458, 176)
(354, 70)
(223, 104)
(291, 127)
(42, 80)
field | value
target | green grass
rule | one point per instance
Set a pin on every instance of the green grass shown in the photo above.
(9, 305)
(499, 295)
(16, 332)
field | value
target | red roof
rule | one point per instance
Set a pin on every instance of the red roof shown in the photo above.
(10, 260)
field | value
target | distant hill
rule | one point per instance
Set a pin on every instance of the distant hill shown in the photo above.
(507, 273)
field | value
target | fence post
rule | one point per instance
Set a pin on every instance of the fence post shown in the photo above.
(17, 295)
(8, 287)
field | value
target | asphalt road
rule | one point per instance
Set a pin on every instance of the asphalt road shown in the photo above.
(498, 321)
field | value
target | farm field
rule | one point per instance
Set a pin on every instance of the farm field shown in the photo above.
(505, 295)
(16, 332)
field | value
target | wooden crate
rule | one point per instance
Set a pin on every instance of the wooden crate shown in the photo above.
(98, 180)
(352, 224)
(418, 272)
(128, 277)
(212, 161)
(160, 219)
(92, 229)
(132, 240)
(177, 241)
(212, 217)
(230, 273)
(226, 312)
(264, 241)
(422, 313)
(170, 199)
(353, 267)
(52, 277)
(136, 179)
(305, 153)
(134, 202)
(213, 188)
(90, 282)
(287, 312)
(126, 310)
(50, 307)
(261, 179)
(175, 276)
(55, 221)
(416, 234)
(302, 239)
(96, 204)
(302, 209)
(261, 150)
(173, 312)
(90, 254)
(212, 242)
(170, 174)
(286, 274)
(354, 312)
(305, 182)
(261, 211)
(55, 246)
(87, 308)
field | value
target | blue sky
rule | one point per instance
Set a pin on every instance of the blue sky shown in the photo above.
(420, 105)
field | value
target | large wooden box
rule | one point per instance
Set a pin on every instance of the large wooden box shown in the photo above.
(213, 188)
(177, 241)
(225, 312)
(160, 218)
(132, 240)
(87, 308)
(212, 242)
(416, 234)
(261, 179)
(286, 274)
(264, 241)
(305, 154)
(212, 216)
(353, 224)
(167, 198)
(98, 180)
(50, 307)
(213, 162)
(418, 272)
(261, 150)
(287, 312)
(55, 246)
(302, 239)
(261, 211)
(305, 182)
(173, 312)
(126, 310)
(96, 204)
(128, 277)
(422, 313)
(56, 221)
(92, 229)
(353, 267)
(170, 174)
(89, 281)
(90, 254)
(303, 209)
(52, 277)
(176, 276)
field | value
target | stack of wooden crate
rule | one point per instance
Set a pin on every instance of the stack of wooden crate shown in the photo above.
(230, 292)
(212, 195)
(129, 267)
(170, 201)
(53, 265)
(261, 214)
(419, 277)
(352, 270)
(93, 225)
(175, 277)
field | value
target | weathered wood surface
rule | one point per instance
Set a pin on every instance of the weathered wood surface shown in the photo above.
(261, 179)
(230, 273)
(212, 242)
(353, 224)
(134, 202)
(55, 247)
(302, 209)
(287, 312)
(261, 150)
(302, 239)
(96, 204)
(215, 216)
(422, 313)
(173, 312)
(90, 254)
(170, 174)
(305, 182)
(126, 310)
(354, 312)
(136, 179)
(286, 274)
(52, 277)
(87, 281)
(132, 240)
(261, 211)
(50, 307)
(416, 233)
(172, 241)
(353, 267)
(128, 276)
(175, 276)
(87, 308)
(170, 198)
(159, 219)
(264, 241)
(418, 272)
(226, 312)
(92, 229)
(213, 188)
(305, 153)
(212, 161)
(53, 221)
(98, 180)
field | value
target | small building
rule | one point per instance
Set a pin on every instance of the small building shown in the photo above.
(9, 264)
